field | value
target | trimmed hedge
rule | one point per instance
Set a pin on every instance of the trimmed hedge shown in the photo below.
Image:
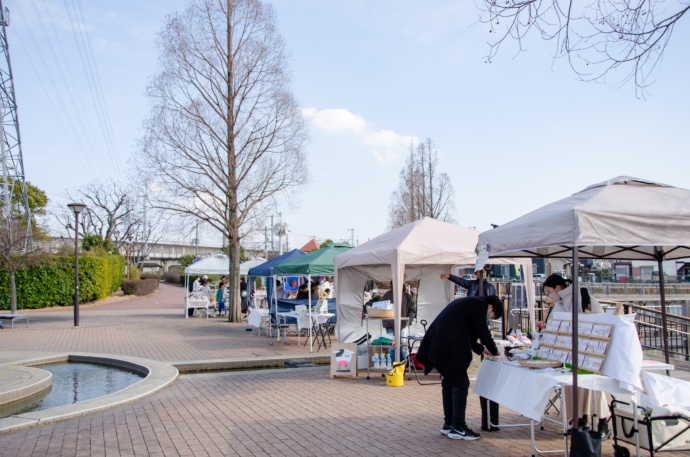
(141, 287)
(152, 278)
(50, 281)
(149, 275)
(173, 277)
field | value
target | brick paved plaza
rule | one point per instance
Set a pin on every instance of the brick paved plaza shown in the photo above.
(296, 412)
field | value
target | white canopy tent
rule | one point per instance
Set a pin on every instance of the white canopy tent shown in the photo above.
(249, 264)
(421, 250)
(218, 264)
(622, 218)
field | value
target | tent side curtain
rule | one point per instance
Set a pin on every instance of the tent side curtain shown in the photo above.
(433, 294)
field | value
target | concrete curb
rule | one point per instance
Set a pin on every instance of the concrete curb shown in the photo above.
(19, 383)
(253, 363)
(158, 376)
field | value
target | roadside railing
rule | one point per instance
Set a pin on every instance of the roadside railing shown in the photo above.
(649, 329)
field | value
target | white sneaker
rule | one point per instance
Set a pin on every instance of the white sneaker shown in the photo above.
(446, 429)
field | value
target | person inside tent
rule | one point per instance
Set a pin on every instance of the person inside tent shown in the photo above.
(559, 293)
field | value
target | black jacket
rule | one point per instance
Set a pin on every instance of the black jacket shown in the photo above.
(451, 338)
(472, 286)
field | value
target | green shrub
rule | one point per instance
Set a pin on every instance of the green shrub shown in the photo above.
(140, 287)
(152, 277)
(50, 281)
(133, 273)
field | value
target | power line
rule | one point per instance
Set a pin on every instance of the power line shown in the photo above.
(62, 116)
(69, 83)
(93, 79)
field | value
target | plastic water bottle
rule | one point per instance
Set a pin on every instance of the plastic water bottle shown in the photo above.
(375, 359)
(537, 341)
(389, 365)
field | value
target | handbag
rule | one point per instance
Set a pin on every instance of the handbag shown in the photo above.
(585, 443)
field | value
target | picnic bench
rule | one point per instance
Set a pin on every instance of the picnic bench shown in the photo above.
(14, 317)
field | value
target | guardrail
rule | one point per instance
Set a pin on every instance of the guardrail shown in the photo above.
(649, 329)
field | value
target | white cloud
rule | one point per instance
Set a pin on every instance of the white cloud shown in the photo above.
(335, 120)
(385, 145)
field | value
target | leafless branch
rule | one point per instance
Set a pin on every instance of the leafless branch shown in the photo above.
(598, 38)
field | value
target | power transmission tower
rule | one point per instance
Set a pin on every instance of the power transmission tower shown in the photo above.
(11, 146)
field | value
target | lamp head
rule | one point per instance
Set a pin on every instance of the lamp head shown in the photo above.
(76, 207)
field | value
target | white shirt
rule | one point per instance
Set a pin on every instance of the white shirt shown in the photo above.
(565, 304)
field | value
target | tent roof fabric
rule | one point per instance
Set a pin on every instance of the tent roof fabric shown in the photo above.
(424, 242)
(319, 262)
(266, 268)
(312, 245)
(249, 264)
(623, 218)
(218, 264)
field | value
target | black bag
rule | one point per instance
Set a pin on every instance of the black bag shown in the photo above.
(585, 443)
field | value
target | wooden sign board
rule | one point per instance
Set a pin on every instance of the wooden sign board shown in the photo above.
(344, 359)
(593, 344)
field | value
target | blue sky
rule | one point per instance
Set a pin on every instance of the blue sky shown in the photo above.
(512, 135)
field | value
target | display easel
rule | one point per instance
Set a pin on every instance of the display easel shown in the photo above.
(556, 343)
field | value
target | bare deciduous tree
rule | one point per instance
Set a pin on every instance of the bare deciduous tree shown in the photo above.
(423, 191)
(225, 136)
(117, 215)
(110, 210)
(596, 37)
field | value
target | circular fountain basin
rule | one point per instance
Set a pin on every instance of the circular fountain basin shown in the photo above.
(157, 375)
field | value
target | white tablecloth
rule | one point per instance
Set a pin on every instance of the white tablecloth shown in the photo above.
(255, 315)
(197, 303)
(527, 391)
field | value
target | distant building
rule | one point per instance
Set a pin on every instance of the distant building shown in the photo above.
(312, 245)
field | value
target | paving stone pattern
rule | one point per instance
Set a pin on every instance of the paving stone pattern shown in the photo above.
(280, 412)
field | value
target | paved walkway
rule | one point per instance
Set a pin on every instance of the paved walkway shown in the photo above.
(295, 412)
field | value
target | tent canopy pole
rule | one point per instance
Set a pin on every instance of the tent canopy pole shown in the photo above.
(659, 254)
(575, 311)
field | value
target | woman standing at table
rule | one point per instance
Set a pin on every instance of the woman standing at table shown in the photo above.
(560, 298)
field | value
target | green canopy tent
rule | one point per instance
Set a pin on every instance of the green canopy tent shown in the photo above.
(314, 263)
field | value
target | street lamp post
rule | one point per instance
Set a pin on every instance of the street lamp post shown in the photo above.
(76, 209)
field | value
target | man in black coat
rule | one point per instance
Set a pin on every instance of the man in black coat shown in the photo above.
(448, 345)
